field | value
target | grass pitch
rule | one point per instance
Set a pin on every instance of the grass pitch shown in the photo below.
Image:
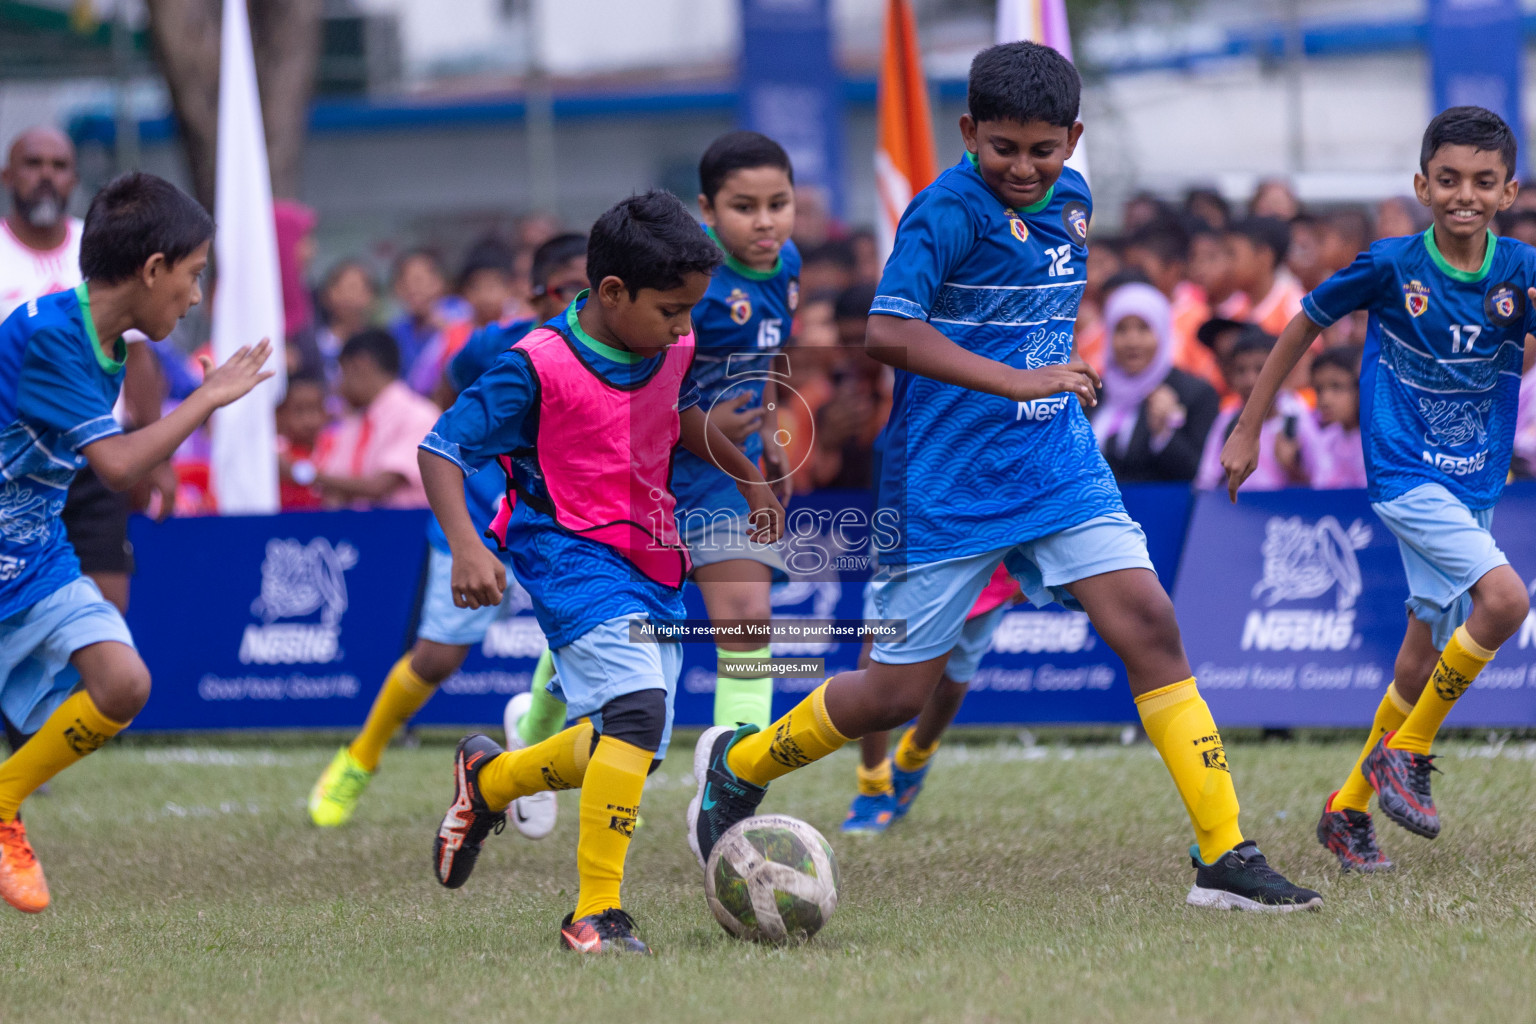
(1028, 884)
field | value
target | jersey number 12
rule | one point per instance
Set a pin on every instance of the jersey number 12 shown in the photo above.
(1061, 259)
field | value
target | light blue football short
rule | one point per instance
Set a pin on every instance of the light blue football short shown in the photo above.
(975, 638)
(934, 598)
(37, 642)
(723, 537)
(1446, 547)
(603, 663)
(443, 622)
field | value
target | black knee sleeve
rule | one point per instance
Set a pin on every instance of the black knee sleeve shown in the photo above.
(637, 718)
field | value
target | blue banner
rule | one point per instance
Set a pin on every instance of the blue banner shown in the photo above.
(1292, 610)
(1476, 55)
(791, 90)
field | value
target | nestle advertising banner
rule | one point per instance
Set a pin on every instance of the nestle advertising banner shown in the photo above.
(1291, 605)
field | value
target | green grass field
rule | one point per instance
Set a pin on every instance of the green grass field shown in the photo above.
(1040, 884)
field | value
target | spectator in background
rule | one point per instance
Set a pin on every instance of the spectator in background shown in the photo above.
(1152, 418)
(347, 300)
(1518, 224)
(1275, 198)
(1344, 234)
(1106, 259)
(1525, 427)
(295, 229)
(867, 264)
(1304, 258)
(1220, 335)
(420, 288)
(1161, 252)
(814, 223)
(1143, 209)
(1210, 267)
(1401, 215)
(1289, 417)
(828, 267)
(1208, 206)
(300, 420)
(848, 423)
(1336, 458)
(1267, 293)
(369, 458)
(486, 283)
(812, 357)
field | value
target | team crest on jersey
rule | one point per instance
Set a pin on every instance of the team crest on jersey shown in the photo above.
(1074, 217)
(1504, 304)
(1416, 298)
(1017, 227)
(792, 295)
(740, 306)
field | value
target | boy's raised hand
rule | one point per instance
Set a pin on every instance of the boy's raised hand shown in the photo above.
(240, 373)
(1239, 457)
(1076, 377)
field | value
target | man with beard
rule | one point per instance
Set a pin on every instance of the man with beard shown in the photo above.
(40, 255)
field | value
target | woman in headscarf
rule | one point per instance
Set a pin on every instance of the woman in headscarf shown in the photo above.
(1152, 418)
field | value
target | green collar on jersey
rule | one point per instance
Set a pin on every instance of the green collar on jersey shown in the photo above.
(1034, 207)
(740, 267)
(617, 355)
(1455, 273)
(120, 346)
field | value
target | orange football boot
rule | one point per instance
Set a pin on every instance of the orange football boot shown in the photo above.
(22, 884)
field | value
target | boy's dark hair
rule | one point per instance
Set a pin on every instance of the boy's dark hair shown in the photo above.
(556, 252)
(1024, 82)
(1266, 233)
(1253, 339)
(1166, 240)
(1353, 225)
(1123, 277)
(489, 253)
(853, 302)
(420, 252)
(1208, 195)
(649, 240)
(1477, 127)
(1341, 357)
(734, 151)
(377, 344)
(134, 217)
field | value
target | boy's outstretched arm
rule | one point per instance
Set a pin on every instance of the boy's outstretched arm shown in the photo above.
(479, 579)
(918, 347)
(1240, 456)
(705, 440)
(122, 459)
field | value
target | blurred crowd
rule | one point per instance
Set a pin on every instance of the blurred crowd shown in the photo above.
(1180, 310)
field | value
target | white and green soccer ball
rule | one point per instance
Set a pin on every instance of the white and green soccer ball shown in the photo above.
(772, 878)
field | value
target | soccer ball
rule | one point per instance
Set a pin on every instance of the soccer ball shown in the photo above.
(772, 879)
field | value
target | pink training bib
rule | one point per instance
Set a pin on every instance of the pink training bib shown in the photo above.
(605, 453)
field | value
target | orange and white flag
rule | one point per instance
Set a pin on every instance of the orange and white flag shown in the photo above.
(904, 158)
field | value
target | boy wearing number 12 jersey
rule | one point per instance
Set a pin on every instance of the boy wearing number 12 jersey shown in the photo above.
(989, 460)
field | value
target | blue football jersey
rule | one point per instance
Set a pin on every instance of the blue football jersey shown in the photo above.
(964, 472)
(739, 327)
(1440, 374)
(484, 490)
(57, 388)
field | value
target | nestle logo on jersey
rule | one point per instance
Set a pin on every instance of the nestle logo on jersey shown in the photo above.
(1416, 297)
(1456, 465)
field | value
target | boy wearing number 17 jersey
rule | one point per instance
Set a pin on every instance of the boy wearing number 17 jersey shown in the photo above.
(1450, 312)
(989, 460)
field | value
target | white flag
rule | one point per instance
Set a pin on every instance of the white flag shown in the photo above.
(248, 297)
(1040, 21)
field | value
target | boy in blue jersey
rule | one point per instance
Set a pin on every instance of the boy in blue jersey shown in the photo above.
(61, 367)
(587, 411)
(1450, 311)
(988, 459)
(446, 633)
(747, 197)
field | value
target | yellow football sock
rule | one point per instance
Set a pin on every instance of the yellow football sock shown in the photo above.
(875, 781)
(559, 762)
(804, 735)
(1355, 794)
(743, 700)
(1180, 726)
(401, 696)
(909, 756)
(1459, 664)
(610, 801)
(76, 728)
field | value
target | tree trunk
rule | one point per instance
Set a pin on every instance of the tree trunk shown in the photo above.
(285, 38)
